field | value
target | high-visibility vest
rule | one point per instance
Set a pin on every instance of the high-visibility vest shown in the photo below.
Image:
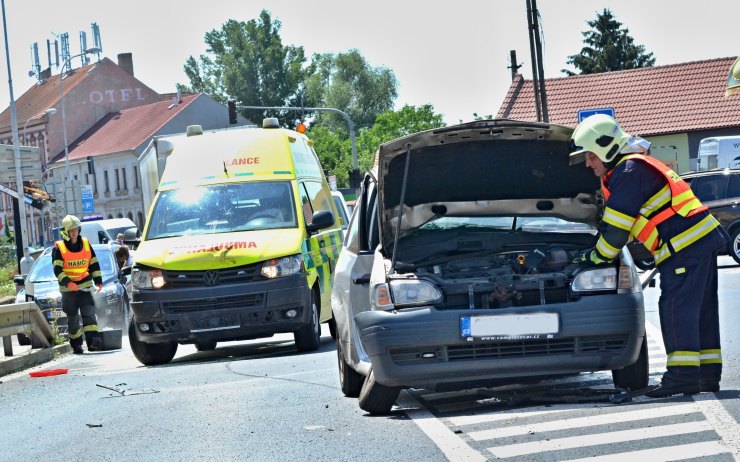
(75, 264)
(682, 200)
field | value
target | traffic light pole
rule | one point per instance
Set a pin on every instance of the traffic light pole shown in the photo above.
(355, 164)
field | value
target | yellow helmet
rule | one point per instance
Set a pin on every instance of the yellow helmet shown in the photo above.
(733, 79)
(69, 222)
(599, 134)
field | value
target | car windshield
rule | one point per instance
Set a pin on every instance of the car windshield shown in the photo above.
(43, 270)
(223, 208)
(524, 224)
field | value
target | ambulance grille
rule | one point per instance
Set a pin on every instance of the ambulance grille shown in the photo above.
(208, 304)
(240, 274)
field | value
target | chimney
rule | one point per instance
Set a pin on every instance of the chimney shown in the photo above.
(126, 62)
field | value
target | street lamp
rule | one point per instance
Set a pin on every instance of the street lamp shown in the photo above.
(64, 119)
(46, 113)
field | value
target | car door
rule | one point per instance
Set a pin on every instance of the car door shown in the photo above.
(350, 294)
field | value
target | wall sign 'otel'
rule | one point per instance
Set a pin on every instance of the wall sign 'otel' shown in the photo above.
(111, 96)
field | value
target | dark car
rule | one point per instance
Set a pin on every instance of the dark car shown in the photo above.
(458, 270)
(111, 304)
(720, 191)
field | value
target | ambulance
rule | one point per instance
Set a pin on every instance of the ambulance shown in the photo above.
(240, 242)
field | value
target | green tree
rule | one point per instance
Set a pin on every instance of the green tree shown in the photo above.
(248, 61)
(608, 48)
(334, 147)
(346, 81)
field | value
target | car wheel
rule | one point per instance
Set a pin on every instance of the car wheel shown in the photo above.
(207, 345)
(349, 379)
(735, 246)
(308, 337)
(635, 376)
(333, 328)
(150, 354)
(375, 398)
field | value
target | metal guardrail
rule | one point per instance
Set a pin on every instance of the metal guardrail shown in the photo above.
(23, 318)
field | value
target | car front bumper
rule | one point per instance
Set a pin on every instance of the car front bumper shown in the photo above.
(424, 348)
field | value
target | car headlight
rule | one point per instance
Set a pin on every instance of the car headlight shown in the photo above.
(279, 267)
(594, 280)
(407, 293)
(147, 279)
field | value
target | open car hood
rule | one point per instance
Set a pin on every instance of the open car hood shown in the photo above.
(484, 168)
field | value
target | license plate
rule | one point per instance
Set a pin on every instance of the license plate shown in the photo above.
(510, 326)
(229, 321)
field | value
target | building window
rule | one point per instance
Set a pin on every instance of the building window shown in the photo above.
(106, 181)
(136, 176)
(87, 178)
(118, 182)
(140, 219)
(123, 174)
(95, 184)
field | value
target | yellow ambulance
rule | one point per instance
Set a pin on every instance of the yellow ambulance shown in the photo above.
(240, 243)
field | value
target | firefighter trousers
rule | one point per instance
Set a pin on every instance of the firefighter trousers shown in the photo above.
(80, 304)
(689, 317)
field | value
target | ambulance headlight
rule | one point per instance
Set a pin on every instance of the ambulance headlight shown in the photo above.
(147, 279)
(279, 267)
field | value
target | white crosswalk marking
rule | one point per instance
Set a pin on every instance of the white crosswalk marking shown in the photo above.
(663, 454)
(580, 441)
(588, 421)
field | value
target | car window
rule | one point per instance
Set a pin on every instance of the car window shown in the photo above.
(341, 211)
(733, 187)
(709, 188)
(43, 269)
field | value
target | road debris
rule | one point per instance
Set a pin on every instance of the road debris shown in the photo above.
(128, 392)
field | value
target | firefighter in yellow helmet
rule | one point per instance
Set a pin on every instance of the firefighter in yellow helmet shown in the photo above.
(647, 201)
(77, 269)
(733, 79)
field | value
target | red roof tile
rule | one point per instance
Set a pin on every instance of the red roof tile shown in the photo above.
(126, 130)
(648, 101)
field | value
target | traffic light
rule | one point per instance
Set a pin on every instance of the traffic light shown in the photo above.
(232, 111)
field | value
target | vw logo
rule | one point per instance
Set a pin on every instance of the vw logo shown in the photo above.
(211, 278)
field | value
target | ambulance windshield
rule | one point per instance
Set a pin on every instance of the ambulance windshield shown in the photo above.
(223, 208)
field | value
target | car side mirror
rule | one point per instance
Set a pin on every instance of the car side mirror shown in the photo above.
(126, 271)
(321, 219)
(19, 279)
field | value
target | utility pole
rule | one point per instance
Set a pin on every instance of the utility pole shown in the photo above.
(535, 50)
(514, 65)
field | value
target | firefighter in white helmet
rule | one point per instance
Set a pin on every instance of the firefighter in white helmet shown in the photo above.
(733, 79)
(77, 269)
(647, 201)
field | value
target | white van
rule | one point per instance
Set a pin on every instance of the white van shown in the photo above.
(718, 152)
(104, 231)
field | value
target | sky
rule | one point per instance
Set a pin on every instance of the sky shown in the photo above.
(453, 55)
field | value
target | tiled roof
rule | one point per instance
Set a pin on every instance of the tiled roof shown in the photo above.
(648, 101)
(127, 129)
(44, 95)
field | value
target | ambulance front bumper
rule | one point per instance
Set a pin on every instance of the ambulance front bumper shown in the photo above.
(225, 312)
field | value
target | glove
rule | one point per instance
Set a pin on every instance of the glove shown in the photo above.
(72, 286)
(590, 257)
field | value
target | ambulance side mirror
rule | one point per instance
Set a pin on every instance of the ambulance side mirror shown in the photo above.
(321, 219)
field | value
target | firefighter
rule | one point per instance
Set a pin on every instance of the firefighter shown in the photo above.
(733, 79)
(647, 201)
(77, 269)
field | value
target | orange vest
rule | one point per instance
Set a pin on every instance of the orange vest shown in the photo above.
(75, 264)
(683, 202)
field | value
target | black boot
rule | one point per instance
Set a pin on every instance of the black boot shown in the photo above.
(94, 343)
(709, 385)
(76, 345)
(670, 387)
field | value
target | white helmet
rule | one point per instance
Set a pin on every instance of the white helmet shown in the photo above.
(69, 222)
(733, 79)
(599, 134)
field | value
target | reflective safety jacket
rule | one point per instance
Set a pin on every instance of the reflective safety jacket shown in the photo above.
(75, 263)
(647, 201)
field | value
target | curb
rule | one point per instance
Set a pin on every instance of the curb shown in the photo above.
(33, 358)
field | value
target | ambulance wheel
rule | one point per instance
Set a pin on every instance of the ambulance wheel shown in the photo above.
(333, 328)
(375, 398)
(635, 376)
(735, 246)
(308, 337)
(150, 354)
